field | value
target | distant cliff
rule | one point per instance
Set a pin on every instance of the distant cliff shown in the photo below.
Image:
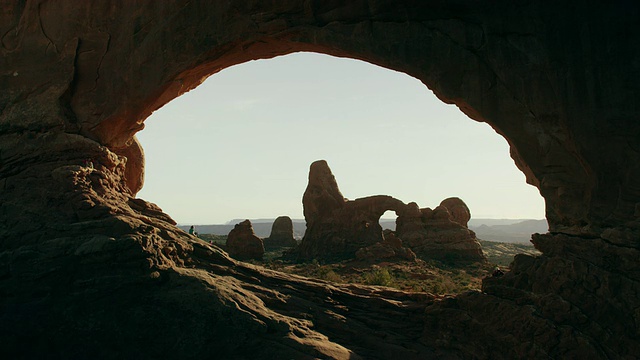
(501, 230)
(519, 232)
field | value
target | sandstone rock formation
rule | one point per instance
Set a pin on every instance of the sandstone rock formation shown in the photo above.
(340, 228)
(87, 267)
(389, 248)
(281, 234)
(337, 227)
(458, 210)
(438, 234)
(243, 244)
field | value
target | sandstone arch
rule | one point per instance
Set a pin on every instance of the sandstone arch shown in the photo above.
(78, 79)
(338, 227)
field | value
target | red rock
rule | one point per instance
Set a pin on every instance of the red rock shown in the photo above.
(435, 234)
(388, 249)
(340, 228)
(281, 234)
(243, 244)
(336, 227)
(458, 209)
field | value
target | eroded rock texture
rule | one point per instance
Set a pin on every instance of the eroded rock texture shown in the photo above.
(243, 244)
(281, 234)
(458, 210)
(87, 270)
(438, 234)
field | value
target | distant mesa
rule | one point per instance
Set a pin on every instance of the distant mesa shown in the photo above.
(514, 232)
(341, 228)
(281, 234)
(243, 244)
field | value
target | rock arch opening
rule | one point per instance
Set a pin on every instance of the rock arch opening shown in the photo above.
(388, 220)
(239, 145)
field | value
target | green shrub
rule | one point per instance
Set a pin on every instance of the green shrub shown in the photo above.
(329, 275)
(437, 288)
(379, 276)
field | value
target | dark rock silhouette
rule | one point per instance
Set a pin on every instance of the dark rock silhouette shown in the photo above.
(243, 244)
(337, 227)
(281, 234)
(87, 267)
(340, 228)
(390, 248)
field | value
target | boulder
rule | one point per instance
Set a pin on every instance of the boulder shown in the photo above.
(281, 234)
(243, 244)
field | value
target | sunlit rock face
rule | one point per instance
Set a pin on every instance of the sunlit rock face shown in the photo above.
(85, 266)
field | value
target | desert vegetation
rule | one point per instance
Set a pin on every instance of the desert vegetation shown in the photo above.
(436, 277)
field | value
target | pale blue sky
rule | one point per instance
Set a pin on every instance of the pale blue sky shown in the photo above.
(240, 145)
